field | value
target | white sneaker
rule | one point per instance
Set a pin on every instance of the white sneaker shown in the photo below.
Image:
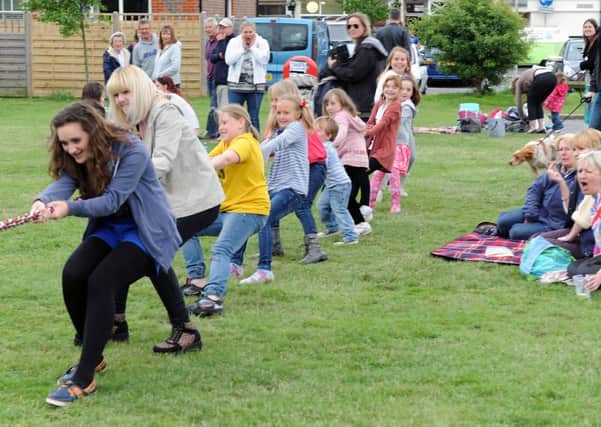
(258, 277)
(346, 242)
(363, 229)
(327, 233)
(404, 193)
(367, 213)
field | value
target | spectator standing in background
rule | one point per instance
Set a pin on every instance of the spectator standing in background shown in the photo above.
(210, 45)
(247, 56)
(168, 61)
(225, 32)
(146, 49)
(394, 33)
(115, 56)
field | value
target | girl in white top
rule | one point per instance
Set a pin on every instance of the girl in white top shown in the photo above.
(169, 60)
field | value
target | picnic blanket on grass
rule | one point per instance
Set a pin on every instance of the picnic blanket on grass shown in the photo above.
(480, 247)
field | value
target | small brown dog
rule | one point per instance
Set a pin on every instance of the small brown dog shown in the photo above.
(539, 154)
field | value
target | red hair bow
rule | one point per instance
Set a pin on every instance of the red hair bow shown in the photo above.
(303, 103)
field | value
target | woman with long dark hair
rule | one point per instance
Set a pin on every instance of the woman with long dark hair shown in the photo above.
(131, 231)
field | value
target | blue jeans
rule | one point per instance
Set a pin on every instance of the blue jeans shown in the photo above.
(595, 121)
(333, 210)
(282, 203)
(212, 127)
(317, 175)
(233, 230)
(556, 119)
(511, 224)
(253, 103)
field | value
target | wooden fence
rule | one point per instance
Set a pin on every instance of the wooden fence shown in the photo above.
(56, 63)
(15, 56)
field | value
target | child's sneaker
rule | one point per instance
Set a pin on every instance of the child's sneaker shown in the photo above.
(346, 242)
(258, 277)
(206, 307)
(327, 233)
(367, 213)
(395, 209)
(69, 393)
(363, 229)
(70, 373)
(236, 270)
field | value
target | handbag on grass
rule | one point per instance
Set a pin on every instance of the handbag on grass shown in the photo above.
(540, 257)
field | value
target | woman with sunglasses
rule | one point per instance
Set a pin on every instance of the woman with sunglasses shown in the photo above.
(358, 75)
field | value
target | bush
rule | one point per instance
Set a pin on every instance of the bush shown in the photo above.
(479, 39)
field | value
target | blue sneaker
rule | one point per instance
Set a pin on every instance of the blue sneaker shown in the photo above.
(69, 393)
(68, 376)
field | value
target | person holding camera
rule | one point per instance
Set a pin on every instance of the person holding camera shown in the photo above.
(358, 75)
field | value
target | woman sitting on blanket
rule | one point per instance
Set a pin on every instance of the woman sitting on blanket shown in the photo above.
(577, 237)
(589, 178)
(546, 200)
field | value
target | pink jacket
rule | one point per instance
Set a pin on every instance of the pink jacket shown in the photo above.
(554, 102)
(350, 143)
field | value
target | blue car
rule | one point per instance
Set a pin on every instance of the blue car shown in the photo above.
(290, 37)
(431, 58)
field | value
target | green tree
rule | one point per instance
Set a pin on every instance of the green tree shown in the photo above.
(377, 10)
(69, 15)
(479, 39)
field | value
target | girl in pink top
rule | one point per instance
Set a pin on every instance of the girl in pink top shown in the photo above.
(554, 102)
(350, 145)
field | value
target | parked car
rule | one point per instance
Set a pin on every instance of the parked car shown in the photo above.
(569, 58)
(431, 58)
(290, 37)
(338, 35)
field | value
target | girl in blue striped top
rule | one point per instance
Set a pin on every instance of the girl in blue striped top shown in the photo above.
(289, 175)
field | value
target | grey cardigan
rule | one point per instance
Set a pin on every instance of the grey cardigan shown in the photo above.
(134, 182)
(182, 164)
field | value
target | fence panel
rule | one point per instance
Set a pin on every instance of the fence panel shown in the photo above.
(13, 56)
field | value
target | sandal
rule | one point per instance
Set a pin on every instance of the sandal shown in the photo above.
(182, 339)
(190, 289)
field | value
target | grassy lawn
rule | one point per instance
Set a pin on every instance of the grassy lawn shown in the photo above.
(380, 334)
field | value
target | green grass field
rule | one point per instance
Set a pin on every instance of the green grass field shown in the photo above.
(381, 334)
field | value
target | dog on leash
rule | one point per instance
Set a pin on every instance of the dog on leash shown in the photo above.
(538, 154)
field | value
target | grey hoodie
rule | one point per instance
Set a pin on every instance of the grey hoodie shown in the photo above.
(145, 53)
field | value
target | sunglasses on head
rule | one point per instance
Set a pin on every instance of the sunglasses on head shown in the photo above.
(355, 26)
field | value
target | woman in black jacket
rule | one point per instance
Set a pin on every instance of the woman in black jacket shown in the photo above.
(589, 58)
(358, 75)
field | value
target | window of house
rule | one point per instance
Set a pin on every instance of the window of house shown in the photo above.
(129, 6)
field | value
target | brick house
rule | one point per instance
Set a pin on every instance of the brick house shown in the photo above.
(210, 7)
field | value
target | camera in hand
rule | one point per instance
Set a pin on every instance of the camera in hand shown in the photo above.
(339, 53)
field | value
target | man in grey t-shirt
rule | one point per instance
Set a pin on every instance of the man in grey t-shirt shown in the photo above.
(147, 48)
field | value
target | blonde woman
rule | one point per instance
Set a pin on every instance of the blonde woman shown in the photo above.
(359, 74)
(169, 59)
(184, 170)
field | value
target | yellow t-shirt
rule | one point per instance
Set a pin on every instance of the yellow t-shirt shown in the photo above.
(244, 182)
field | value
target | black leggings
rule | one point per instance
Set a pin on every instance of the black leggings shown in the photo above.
(91, 277)
(359, 181)
(542, 86)
(165, 282)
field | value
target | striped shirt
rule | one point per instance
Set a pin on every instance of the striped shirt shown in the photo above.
(290, 166)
